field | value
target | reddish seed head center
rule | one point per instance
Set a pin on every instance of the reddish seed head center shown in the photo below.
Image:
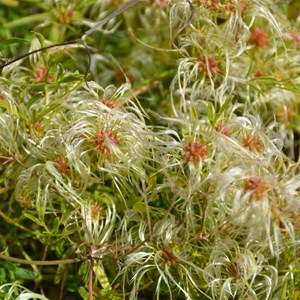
(209, 66)
(104, 138)
(195, 151)
(258, 38)
(257, 186)
(252, 142)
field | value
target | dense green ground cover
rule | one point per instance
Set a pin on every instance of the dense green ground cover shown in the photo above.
(156, 156)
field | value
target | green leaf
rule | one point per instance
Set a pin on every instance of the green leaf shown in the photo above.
(11, 3)
(139, 207)
(34, 99)
(71, 78)
(41, 38)
(60, 72)
(21, 273)
(101, 276)
(35, 18)
(224, 106)
(12, 41)
(151, 183)
(294, 87)
(251, 55)
(9, 266)
(35, 220)
(3, 276)
(221, 110)
(211, 112)
(59, 274)
(265, 80)
(50, 108)
(83, 293)
(257, 88)
(194, 113)
(4, 105)
(62, 234)
(84, 269)
(295, 295)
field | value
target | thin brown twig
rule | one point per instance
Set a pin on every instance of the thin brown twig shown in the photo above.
(94, 254)
(62, 285)
(91, 278)
(41, 262)
(109, 17)
(187, 22)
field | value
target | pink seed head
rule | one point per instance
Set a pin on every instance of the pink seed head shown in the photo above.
(211, 65)
(252, 142)
(224, 130)
(40, 74)
(108, 103)
(61, 166)
(215, 4)
(103, 139)
(258, 38)
(257, 186)
(195, 151)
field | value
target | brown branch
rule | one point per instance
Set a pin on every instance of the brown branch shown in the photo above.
(91, 279)
(41, 262)
(93, 255)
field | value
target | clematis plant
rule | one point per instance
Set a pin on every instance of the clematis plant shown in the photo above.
(149, 150)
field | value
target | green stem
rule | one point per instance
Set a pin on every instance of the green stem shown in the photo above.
(26, 20)
(11, 3)
(13, 222)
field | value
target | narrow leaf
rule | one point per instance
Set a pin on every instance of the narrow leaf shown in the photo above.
(12, 41)
(211, 112)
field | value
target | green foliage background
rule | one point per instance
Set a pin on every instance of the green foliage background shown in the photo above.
(161, 162)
